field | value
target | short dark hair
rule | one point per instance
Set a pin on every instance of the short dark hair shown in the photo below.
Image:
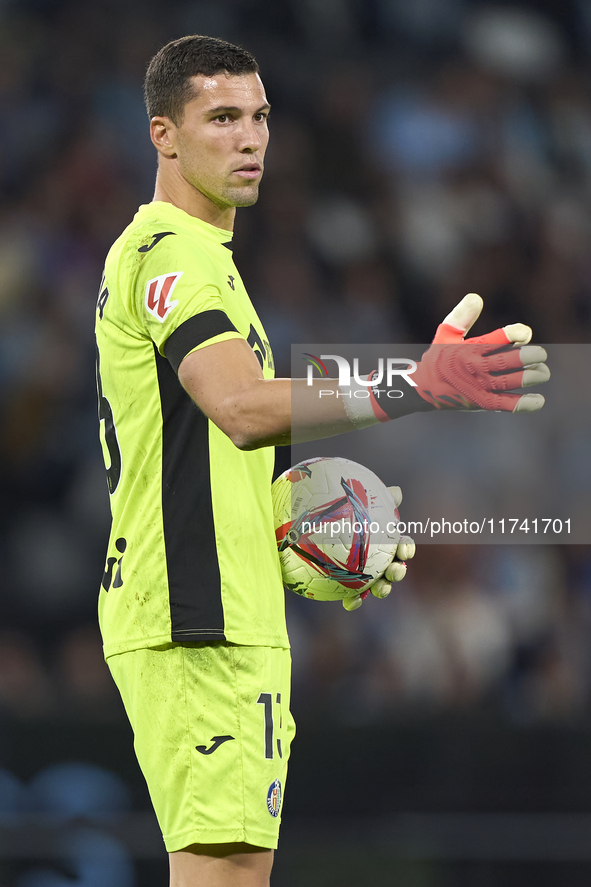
(167, 86)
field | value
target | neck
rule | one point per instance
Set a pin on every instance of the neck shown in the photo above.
(176, 190)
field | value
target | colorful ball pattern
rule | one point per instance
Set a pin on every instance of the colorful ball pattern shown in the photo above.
(336, 528)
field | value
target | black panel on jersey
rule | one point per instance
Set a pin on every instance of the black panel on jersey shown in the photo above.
(194, 332)
(194, 585)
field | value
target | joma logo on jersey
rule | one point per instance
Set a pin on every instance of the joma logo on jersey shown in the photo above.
(158, 295)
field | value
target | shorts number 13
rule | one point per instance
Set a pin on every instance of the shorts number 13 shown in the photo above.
(266, 699)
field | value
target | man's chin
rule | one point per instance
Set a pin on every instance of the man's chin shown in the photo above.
(245, 196)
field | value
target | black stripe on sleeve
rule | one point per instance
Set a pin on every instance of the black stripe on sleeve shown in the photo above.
(194, 332)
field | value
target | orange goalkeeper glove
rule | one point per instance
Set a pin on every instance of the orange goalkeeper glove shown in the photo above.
(481, 371)
(459, 374)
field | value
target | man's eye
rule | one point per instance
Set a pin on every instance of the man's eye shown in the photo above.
(222, 118)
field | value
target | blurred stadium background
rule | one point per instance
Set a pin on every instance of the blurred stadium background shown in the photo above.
(420, 150)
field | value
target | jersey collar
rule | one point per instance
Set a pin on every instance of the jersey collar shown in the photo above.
(168, 212)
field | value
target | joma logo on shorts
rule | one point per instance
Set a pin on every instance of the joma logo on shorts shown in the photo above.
(217, 741)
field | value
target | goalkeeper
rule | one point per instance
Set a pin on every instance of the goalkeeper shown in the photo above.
(191, 603)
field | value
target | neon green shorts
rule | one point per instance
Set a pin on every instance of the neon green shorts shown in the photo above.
(212, 736)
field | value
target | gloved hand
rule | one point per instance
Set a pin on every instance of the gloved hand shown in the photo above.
(395, 571)
(472, 377)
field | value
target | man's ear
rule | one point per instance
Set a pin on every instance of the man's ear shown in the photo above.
(163, 134)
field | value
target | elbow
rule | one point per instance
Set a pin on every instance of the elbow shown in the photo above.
(245, 440)
(248, 428)
(245, 428)
(250, 441)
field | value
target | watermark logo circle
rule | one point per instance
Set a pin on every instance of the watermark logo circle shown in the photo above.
(274, 798)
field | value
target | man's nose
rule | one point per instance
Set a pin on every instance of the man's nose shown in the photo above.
(250, 137)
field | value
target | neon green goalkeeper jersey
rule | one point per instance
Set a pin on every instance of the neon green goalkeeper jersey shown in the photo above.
(192, 553)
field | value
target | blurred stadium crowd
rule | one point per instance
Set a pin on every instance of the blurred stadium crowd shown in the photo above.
(419, 151)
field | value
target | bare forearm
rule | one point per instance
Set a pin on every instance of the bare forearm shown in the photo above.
(277, 412)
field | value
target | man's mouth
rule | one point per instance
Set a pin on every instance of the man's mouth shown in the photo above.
(248, 171)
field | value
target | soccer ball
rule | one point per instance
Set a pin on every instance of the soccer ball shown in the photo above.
(336, 528)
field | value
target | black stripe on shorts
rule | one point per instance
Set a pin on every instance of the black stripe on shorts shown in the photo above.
(194, 332)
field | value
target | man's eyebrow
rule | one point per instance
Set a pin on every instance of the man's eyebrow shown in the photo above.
(226, 109)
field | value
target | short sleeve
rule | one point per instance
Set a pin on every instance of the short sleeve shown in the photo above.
(178, 299)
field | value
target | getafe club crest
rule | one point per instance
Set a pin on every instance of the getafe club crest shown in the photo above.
(274, 798)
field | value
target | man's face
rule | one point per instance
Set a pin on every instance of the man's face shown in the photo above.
(220, 145)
